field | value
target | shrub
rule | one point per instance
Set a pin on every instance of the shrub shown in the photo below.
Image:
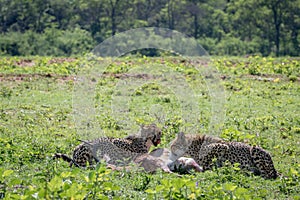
(52, 42)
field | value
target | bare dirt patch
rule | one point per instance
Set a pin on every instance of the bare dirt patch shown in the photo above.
(61, 60)
(25, 63)
(29, 77)
(125, 75)
(270, 77)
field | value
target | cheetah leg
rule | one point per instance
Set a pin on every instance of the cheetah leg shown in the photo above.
(209, 152)
(83, 155)
(263, 162)
(94, 153)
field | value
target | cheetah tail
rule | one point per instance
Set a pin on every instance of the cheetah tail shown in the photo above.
(62, 156)
(65, 158)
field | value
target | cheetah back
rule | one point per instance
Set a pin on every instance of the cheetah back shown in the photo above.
(203, 149)
(117, 148)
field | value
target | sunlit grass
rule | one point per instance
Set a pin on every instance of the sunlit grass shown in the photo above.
(36, 121)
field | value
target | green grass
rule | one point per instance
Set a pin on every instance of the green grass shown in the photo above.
(37, 120)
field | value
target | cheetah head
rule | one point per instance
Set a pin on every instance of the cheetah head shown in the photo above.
(179, 146)
(151, 132)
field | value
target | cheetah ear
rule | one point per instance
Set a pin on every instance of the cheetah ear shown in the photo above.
(143, 130)
(181, 137)
(142, 126)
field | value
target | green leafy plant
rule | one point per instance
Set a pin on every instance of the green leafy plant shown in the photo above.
(36, 121)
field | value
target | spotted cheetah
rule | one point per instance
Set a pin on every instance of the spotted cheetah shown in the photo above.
(203, 149)
(119, 150)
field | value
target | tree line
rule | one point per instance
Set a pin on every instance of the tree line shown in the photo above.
(222, 27)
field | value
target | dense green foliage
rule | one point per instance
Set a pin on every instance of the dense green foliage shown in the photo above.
(223, 27)
(36, 121)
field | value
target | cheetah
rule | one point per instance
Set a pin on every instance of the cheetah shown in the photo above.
(120, 151)
(204, 148)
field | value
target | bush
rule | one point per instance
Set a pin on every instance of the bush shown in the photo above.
(10, 43)
(75, 42)
(209, 44)
(234, 46)
(52, 42)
